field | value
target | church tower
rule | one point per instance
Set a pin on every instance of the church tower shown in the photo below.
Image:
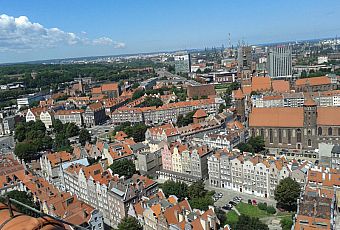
(240, 105)
(309, 123)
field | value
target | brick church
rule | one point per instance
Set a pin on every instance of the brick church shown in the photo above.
(296, 128)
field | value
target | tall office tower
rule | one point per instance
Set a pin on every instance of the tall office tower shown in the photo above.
(280, 62)
(182, 63)
(244, 57)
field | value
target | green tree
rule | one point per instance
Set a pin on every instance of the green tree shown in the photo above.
(221, 215)
(178, 189)
(221, 108)
(123, 167)
(84, 136)
(24, 198)
(137, 131)
(257, 143)
(245, 223)
(71, 129)
(58, 126)
(20, 132)
(286, 223)
(186, 119)
(129, 223)
(61, 143)
(196, 190)
(245, 147)
(201, 203)
(286, 194)
(26, 151)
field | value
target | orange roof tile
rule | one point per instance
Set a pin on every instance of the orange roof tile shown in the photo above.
(276, 117)
(58, 157)
(280, 86)
(96, 106)
(238, 94)
(110, 87)
(328, 116)
(156, 209)
(200, 113)
(313, 81)
(261, 83)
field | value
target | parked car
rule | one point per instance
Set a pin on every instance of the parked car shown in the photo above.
(237, 199)
(250, 202)
(219, 195)
(215, 198)
(227, 207)
(233, 203)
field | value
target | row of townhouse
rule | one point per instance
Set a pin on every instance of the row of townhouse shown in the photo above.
(252, 175)
(109, 193)
(165, 113)
(63, 205)
(184, 163)
(322, 99)
(228, 138)
(93, 115)
(169, 132)
(160, 213)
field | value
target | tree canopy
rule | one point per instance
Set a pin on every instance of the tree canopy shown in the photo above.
(246, 223)
(129, 223)
(123, 167)
(136, 131)
(178, 189)
(84, 136)
(254, 145)
(286, 194)
(186, 119)
(22, 197)
(32, 138)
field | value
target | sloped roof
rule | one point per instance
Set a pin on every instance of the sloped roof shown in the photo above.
(200, 113)
(276, 117)
(328, 116)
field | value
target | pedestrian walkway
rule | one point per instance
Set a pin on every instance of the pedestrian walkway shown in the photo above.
(237, 212)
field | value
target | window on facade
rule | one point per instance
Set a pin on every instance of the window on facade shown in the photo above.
(280, 135)
(309, 142)
(330, 131)
(319, 131)
(270, 135)
(289, 134)
(262, 133)
(298, 135)
(338, 131)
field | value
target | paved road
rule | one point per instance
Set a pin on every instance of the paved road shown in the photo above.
(228, 195)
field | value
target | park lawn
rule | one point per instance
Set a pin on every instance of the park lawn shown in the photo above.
(251, 210)
(232, 217)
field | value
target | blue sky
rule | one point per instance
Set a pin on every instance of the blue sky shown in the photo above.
(103, 27)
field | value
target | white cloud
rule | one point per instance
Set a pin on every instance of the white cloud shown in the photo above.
(22, 34)
(108, 42)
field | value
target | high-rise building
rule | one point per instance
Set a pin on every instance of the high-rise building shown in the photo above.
(244, 57)
(280, 62)
(182, 63)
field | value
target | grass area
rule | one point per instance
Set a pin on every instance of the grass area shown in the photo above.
(222, 86)
(250, 210)
(232, 217)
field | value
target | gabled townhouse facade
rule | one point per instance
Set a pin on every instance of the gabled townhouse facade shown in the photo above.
(242, 173)
(107, 192)
(184, 163)
(160, 213)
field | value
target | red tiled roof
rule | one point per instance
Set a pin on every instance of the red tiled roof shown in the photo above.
(312, 81)
(200, 113)
(276, 117)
